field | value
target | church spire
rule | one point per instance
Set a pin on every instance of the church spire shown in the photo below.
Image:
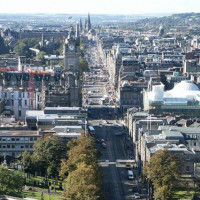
(88, 22)
(81, 25)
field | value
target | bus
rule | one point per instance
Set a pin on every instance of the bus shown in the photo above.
(91, 130)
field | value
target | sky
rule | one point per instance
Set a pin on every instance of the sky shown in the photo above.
(99, 6)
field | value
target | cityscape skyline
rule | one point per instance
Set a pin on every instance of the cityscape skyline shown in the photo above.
(127, 7)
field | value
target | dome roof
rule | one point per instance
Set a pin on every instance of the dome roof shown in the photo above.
(185, 86)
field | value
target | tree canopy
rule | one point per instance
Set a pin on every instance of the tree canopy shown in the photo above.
(10, 181)
(162, 170)
(3, 47)
(81, 171)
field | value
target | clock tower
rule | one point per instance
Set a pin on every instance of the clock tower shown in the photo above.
(71, 53)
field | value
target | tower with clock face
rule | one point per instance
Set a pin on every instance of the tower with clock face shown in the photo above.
(71, 53)
(71, 67)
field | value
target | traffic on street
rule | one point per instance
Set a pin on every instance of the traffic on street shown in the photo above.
(120, 173)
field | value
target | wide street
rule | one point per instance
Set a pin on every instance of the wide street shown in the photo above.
(109, 129)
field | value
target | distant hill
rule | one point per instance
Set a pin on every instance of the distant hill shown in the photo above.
(170, 22)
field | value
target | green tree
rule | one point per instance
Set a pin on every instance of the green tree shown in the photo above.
(48, 152)
(41, 56)
(27, 162)
(83, 66)
(162, 170)
(10, 181)
(22, 47)
(3, 48)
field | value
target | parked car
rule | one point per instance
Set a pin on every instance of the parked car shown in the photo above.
(134, 188)
(116, 125)
(136, 196)
(97, 140)
(102, 140)
(103, 145)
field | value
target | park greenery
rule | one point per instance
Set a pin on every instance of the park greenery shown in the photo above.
(46, 159)
(22, 47)
(10, 181)
(3, 48)
(81, 171)
(162, 170)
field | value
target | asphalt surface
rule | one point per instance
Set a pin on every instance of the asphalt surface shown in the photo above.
(116, 185)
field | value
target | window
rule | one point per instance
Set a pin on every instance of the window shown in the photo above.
(17, 139)
(20, 102)
(23, 94)
(31, 139)
(31, 146)
(26, 146)
(13, 139)
(35, 138)
(22, 147)
(4, 147)
(13, 146)
(187, 168)
(195, 144)
(8, 146)
(25, 102)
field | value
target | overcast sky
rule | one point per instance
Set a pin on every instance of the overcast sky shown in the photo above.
(99, 6)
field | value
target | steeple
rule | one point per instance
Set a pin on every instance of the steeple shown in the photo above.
(88, 23)
(85, 24)
(81, 25)
(77, 31)
(71, 34)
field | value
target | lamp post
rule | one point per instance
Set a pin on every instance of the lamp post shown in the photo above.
(85, 125)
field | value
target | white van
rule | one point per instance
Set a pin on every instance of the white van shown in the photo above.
(130, 174)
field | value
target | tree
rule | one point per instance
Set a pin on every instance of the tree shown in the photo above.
(3, 48)
(81, 184)
(10, 181)
(27, 162)
(162, 170)
(41, 56)
(48, 152)
(81, 171)
(83, 66)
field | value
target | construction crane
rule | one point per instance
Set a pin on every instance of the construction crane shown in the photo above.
(31, 88)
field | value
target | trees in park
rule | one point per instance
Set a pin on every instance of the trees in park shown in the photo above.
(3, 48)
(48, 152)
(10, 181)
(81, 170)
(83, 66)
(162, 170)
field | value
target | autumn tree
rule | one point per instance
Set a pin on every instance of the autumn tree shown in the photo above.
(81, 171)
(162, 170)
(82, 184)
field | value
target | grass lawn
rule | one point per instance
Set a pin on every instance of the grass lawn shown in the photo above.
(37, 195)
(184, 193)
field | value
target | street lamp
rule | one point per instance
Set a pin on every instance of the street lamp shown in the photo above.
(85, 125)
